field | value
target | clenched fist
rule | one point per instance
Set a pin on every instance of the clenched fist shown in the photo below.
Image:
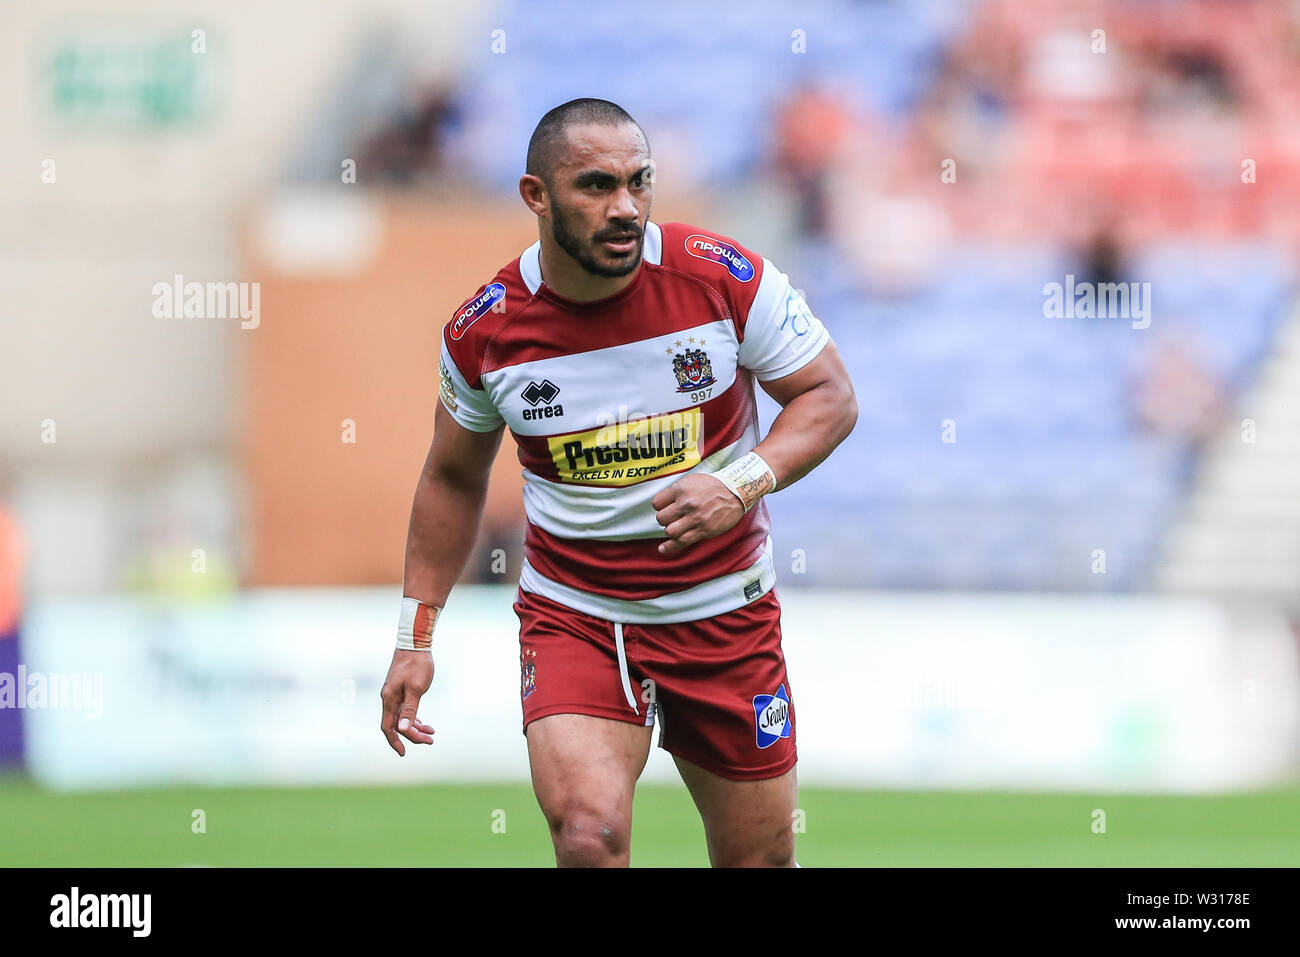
(693, 509)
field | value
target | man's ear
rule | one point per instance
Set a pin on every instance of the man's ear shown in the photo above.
(533, 191)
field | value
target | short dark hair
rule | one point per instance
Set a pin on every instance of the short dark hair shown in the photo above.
(551, 129)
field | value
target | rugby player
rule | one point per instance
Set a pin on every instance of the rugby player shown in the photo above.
(621, 354)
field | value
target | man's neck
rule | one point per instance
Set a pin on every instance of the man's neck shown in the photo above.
(567, 278)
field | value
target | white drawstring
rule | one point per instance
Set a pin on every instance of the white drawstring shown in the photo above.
(622, 667)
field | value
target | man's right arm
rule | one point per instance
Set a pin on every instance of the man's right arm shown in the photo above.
(445, 517)
(448, 507)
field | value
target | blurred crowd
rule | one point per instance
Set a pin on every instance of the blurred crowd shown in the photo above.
(938, 167)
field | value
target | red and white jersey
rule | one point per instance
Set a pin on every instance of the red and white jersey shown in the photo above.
(614, 400)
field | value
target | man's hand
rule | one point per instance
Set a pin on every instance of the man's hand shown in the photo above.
(409, 677)
(695, 508)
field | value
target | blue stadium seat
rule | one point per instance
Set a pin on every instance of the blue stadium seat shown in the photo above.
(1049, 462)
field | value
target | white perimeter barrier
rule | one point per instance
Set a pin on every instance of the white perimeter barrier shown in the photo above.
(910, 690)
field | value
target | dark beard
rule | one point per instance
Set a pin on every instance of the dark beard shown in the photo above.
(583, 252)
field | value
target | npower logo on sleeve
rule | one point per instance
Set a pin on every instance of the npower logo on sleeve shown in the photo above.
(492, 298)
(715, 250)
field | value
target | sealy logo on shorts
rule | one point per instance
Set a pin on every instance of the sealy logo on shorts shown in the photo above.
(629, 452)
(474, 310)
(771, 717)
(715, 250)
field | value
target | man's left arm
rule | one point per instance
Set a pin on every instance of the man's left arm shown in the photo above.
(818, 412)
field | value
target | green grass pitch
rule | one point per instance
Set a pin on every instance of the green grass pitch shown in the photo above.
(453, 825)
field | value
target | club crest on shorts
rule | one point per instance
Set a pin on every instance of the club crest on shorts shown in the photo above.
(528, 658)
(771, 717)
(693, 370)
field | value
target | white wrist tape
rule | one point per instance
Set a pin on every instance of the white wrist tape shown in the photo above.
(415, 625)
(749, 477)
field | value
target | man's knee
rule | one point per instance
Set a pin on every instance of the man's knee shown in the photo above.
(777, 850)
(588, 836)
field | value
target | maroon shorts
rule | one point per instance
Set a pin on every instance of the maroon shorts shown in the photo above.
(717, 685)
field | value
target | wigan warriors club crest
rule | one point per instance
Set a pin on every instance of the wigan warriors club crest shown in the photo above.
(529, 662)
(693, 370)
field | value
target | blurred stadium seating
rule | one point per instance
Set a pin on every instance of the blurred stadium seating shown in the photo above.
(1052, 458)
(819, 139)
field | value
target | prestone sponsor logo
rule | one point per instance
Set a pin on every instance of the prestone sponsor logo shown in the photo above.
(629, 452)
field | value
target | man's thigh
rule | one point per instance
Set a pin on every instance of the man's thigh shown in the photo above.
(585, 771)
(726, 714)
(746, 823)
(579, 759)
(588, 734)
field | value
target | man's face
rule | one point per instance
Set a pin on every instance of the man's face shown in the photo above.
(600, 192)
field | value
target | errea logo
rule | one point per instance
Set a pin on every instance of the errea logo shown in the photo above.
(536, 393)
